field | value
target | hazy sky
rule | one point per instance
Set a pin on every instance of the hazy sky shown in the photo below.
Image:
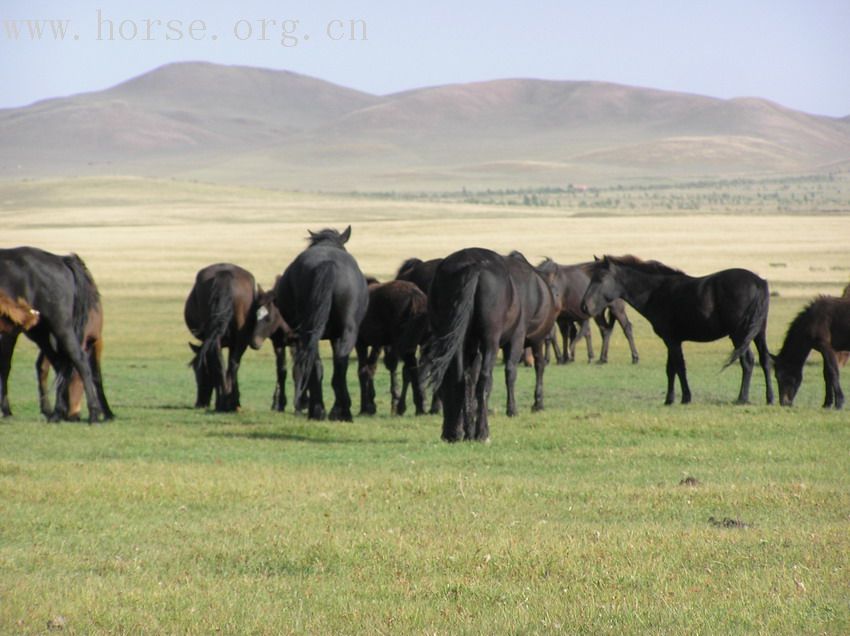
(796, 53)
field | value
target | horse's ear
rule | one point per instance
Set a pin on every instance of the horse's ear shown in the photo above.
(596, 258)
(260, 291)
(311, 233)
(345, 235)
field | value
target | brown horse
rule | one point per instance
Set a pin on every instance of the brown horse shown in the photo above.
(16, 315)
(824, 325)
(572, 282)
(396, 320)
(221, 311)
(93, 349)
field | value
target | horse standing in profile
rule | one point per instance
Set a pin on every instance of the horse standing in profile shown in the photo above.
(572, 282)
(220, 311)
(323, 295)
(733, 302)
(480, 302)
(63, 292)
(824, 325)
(397, 322)
(93, 348)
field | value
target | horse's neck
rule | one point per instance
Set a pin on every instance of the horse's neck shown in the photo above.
(638, 288)
(797, 345)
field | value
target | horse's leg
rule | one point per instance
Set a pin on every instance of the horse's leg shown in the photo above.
(410, 375)
(626, 325)
(565, 327)
(831, 378)
(764, 361)
(341, 410)
(279, 396)
(676, 366)
(584, 332)
(70, 346)
(233, 363)
(365, 375)
(95, 353)
(7, 348)
(222, 382)
(398, 398)
(483, 387)
(605, 330)
(452, 394)
(470, 402)
(513, 351)
(316, 404)
(747, 362)
(539, 367)
(42, 372)
(556, 348)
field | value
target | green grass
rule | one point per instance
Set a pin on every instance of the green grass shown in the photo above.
(171, 520)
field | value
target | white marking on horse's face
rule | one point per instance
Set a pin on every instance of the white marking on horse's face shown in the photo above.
(262, 313)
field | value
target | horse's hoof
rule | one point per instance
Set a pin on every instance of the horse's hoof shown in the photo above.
(536, 408)
(340, 415)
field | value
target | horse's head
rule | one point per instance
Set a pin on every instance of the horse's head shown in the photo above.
(548, 271)
(788, 377)
(268, 320)
(330, 236)
(603, 287)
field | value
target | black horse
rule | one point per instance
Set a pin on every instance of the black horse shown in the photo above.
(480, 302)
(733, 302)
(323, 295)
(572, 282)
(221, 311)
(396, 321)
(63, 291)
(824, 325)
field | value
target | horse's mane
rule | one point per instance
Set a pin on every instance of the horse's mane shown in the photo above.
(648, 267)
(547, 266)
(516, 254)
(327, 235)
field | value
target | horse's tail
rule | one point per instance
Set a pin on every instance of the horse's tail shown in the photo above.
(86, 295)
(754, 320)
(448, 338)
(217, 324)
(313, 325)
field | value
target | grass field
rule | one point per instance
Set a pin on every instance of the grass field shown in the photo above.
(575, 520)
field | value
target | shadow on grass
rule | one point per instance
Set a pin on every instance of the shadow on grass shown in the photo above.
(292, 436)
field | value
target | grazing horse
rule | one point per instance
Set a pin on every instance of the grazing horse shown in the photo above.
(220, 311)
(93, 348)
(270, 324)
(480, 302)
(824, 325)
(397, 319)
(572, 282)
(62, 290)
(733, 302)
(323, 295)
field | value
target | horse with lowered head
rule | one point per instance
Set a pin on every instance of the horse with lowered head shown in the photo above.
(824, 325)
(323, 295)
(732, 302)
(221, 311)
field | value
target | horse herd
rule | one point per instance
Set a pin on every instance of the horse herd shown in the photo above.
(445, 320)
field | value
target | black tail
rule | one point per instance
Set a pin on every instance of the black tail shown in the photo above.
(86, 295)
(448, 338)
(313, 325)
(217, 324)
(755, 320)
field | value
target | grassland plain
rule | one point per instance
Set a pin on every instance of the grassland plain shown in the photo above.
(574, 520)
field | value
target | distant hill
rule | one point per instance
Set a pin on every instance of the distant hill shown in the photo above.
(276, 128)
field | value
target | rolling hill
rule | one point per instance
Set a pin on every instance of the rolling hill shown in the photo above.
(281, 129)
